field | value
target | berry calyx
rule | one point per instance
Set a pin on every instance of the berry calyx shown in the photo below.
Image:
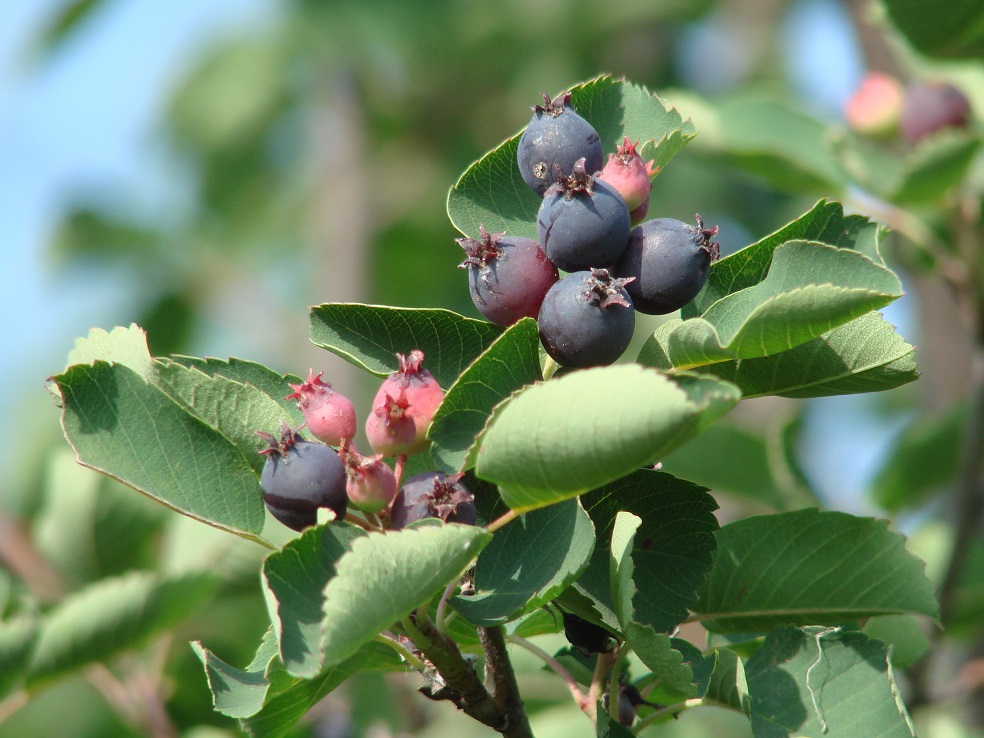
(300, 476)
(433, 495)
(507, 276)
(403, 408)
(369, 482)
(328, 415)
(629, 174)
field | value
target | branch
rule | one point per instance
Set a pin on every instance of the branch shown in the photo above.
(505, 690)
(471, 695)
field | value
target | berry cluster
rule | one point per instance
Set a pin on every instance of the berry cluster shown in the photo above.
(300, 476)
(589, 225)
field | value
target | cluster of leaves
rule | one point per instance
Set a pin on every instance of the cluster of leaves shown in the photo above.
(597, 530)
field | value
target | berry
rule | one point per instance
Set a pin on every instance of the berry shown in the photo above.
(403, 408)
(669, 262)
(583, 222)
(329, 415)
(585, 635)
(507, 276)
(299, 477)
(433, 495)
(932, 106)
(639, 214)
(587, 319)
(875, 106)
(629, 174)
(370, 483)
(553, 141)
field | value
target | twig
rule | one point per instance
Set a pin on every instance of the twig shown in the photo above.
(579, 697)
(442, 607)
(673, 710)
(599, 682)
(409, 656)
(505, 690)
(502, 520)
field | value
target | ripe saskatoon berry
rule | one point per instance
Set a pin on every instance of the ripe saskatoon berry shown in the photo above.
(507, 276)
(329, 415)
(669, 262)
(585, 635)
(433, 495)
(932, 106)
(369, 482)
(629, 174)
(403, 408)
(299, 477)
(875, 106)
(629, 699)
(587, 319)
(554, 140)
(583, 222)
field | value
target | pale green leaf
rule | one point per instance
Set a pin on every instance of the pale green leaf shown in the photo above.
(728, 684)
(127, 346)
(385, 577)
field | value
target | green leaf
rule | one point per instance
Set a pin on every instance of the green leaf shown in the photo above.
(242, 371)
(608, 727)
(728, 684)
(767, 138)
(126, 346)
(18, 636)
(904, 633)
(824, 223)
(492, 192)
(865, 355)
(923, 460)
(510, 363)
(561, 438)
(238, 693)
(956, 31)
(113, 615)
(756, 466)
(295, 579)
(937, 165)
(65, 22)
(810, 567)
(620, 568)
(289, 699)
(673, 548)
(236, 410)
(529, 562)
(385, 577)
(122, 426)
(810, 289)
(826, 683)
(370, 336)
(673, 678)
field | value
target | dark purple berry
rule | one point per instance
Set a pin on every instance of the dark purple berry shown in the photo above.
(507, 276)
(433, 495)
(299, 477)
(932, 106)
(583, 222)
(553, 141)
(669, 262)
(585, 635)
(587, 319)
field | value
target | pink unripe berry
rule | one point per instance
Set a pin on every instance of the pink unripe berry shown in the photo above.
(369, 482)
(629, 174)
(403, 408)
(328, 415)
(876, 105)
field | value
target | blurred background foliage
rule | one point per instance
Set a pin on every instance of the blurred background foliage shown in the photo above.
(306, 158)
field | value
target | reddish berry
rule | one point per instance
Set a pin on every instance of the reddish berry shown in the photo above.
(403, 408)
(639, 214)
(629, 174)
(876, 105)
(329, 415)
(433, 495)
(507, 276)
(370, 483)
(299, 477)
(932, 106)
